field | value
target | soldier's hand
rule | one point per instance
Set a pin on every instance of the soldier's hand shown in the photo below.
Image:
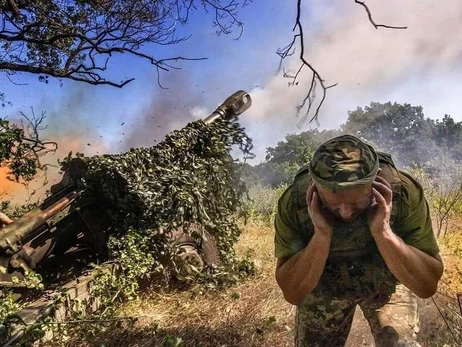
(321, 224)
(4, 219)
(379, 212)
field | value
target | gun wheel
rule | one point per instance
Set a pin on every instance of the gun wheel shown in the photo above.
(193, 255)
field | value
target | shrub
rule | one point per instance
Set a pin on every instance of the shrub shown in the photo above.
(261, 204)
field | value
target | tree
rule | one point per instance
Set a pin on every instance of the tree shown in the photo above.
(76, 39)
(285, 159)
(21, 146)
(448, 135)
(401, 130)
(442, 188)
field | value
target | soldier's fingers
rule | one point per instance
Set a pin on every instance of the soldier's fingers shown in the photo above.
(5, 219)
(382, 180)
(309, 193)
(384, 190)
(379, 198)
(314, 208)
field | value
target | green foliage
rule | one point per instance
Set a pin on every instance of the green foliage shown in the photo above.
(16, 211)
(295, 149)
(188, 179)
(285, 159)
(149, 192)
(441, 179)
(398, 129)
(172, 341)
(8, 305)
(236, 296)
(134, 253)
(75, 39)
(262, 204)
(403, 131)
(16, 152)
(448, 136)
(248, 174)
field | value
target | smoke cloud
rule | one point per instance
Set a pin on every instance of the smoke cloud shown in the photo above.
(167, 110)
(419, 65)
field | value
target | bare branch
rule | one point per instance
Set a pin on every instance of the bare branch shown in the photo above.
(363, 4)
(23, 146)
(228, 12)
(307, 106)
(308, 101)
(13, 82)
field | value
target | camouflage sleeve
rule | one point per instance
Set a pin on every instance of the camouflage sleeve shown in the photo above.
(287, 240)
(414, 225)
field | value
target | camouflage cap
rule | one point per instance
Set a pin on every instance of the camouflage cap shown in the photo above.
(344, 162)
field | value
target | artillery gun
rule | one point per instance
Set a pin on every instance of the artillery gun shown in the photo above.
(72, 228)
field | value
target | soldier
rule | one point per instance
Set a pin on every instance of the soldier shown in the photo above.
(353, 230)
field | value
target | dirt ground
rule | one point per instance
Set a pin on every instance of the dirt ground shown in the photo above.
(433, 330)
(253, 313)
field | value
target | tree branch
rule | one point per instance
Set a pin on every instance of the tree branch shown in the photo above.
(76, 42)
(289, 50)
(65, 74)
(13, 82)
(22, 146)
(369, 14)
(307, 106)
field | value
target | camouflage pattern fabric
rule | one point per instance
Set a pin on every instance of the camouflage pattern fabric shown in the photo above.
(343, 162)
(326, 322)
(354, 268)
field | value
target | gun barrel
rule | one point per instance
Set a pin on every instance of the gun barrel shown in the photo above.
(234, 105)
(12, 234)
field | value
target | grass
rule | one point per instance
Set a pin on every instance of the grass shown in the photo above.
(253, 313)
(451, 252)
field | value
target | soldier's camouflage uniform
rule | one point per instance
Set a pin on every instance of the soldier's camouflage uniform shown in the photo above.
(355, 272)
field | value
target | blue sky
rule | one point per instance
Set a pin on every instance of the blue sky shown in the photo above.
(420, 65)
(94, 111)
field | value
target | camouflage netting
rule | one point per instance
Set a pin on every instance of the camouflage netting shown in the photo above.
(186, 179)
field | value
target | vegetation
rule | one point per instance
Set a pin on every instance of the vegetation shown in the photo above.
(77, 39)
(253, 312)
(150, 192)
(21, 146)
(399, 129)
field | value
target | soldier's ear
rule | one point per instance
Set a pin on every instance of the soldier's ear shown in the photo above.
(378, 172)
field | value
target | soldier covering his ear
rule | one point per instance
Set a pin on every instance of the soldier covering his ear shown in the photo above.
(354, 230)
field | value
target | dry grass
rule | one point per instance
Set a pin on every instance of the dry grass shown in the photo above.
(451, 252)
(253, 313)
